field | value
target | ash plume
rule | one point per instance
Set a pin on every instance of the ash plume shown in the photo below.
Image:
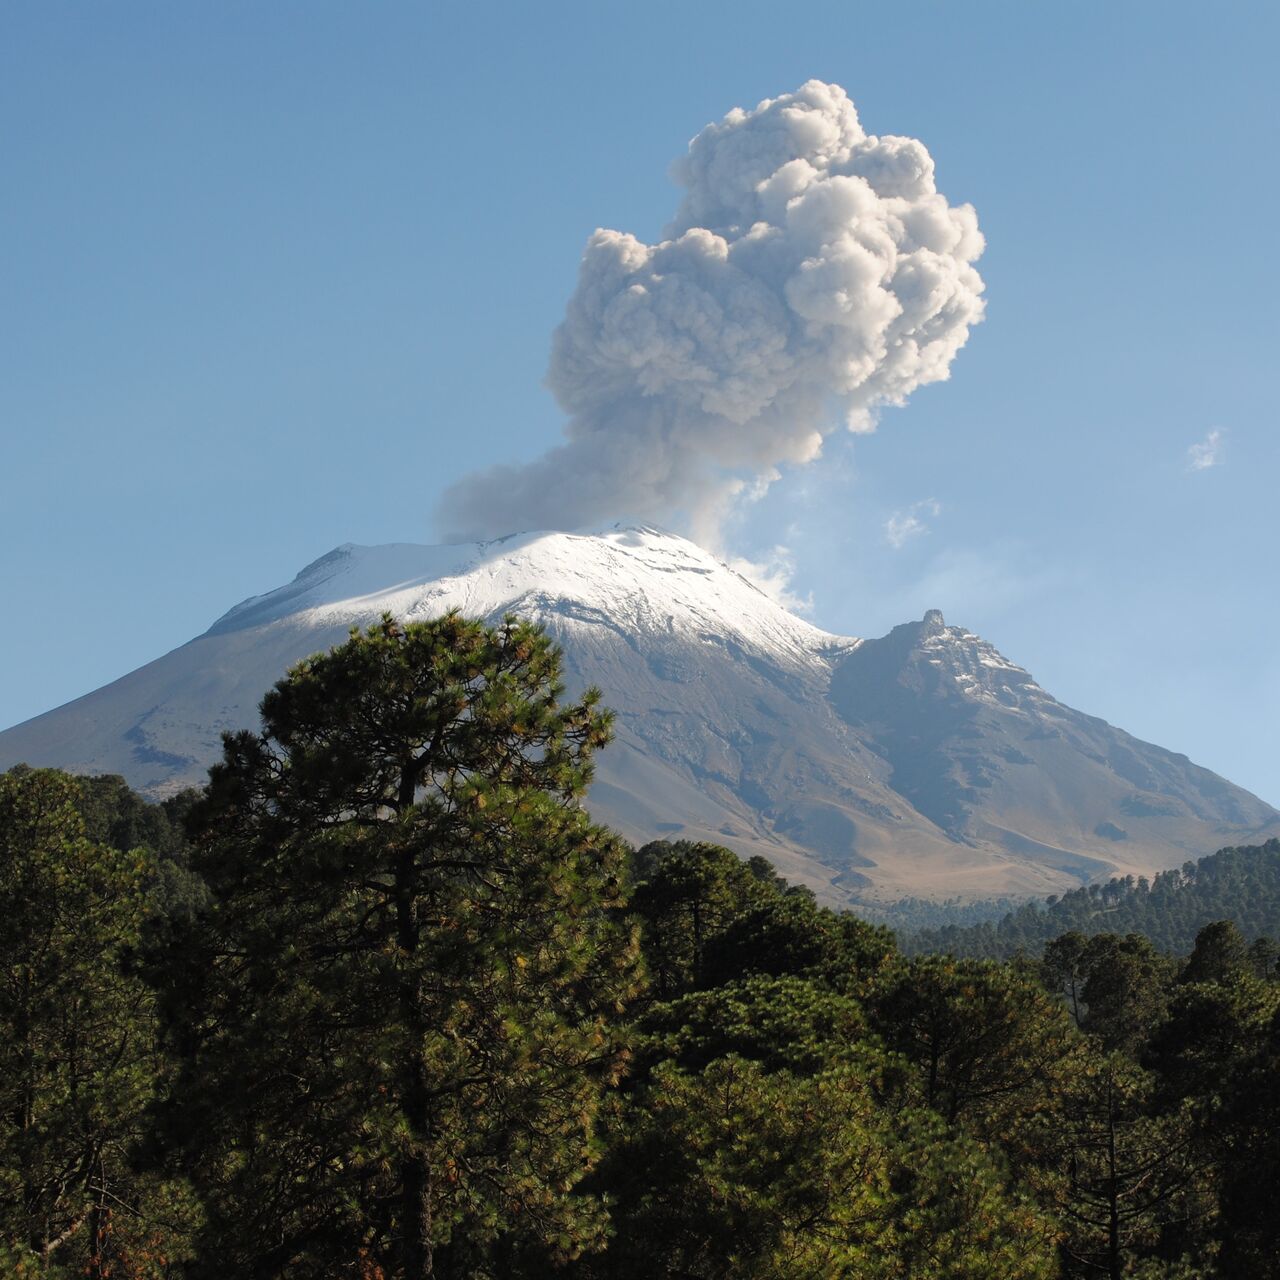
(811, 275)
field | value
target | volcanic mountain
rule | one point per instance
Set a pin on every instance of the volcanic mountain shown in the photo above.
(920, 764)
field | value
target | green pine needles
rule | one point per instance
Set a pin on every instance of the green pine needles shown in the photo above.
(404, 988)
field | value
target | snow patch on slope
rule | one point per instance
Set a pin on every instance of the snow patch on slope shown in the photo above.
(980, 670)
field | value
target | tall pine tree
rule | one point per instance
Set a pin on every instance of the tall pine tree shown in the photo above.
(395, 1012)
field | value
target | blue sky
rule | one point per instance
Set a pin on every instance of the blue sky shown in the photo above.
(273, 277)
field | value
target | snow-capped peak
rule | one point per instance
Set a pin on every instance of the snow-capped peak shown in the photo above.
(637, 577)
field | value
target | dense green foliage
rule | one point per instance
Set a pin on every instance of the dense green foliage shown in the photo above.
(382, 1002)
(910, 916)
(1242, 885)
(403, 986)
(78, 1065)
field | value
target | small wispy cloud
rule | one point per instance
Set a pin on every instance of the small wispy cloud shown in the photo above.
(1206, 453)
(773, 576)
(975, 583)
(902, 526)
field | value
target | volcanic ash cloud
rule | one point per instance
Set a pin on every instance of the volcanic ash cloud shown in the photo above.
(811, 275)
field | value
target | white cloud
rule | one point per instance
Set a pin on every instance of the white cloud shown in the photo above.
(811, 275)
(1206, 453)
(902, 526)
(773, 576)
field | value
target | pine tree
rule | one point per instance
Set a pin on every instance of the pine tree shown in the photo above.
(1220, 954)
(396, 1012)
(1249, 1122)
(991, 1046)
(77, 1066)
(689, 894)
(1127, 990)
(1124, 1170)
(735, 1172)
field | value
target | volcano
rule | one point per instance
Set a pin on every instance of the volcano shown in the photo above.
(920, 764)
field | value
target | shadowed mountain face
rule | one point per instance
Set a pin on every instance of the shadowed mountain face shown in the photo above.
(923, 763)
(983, 752)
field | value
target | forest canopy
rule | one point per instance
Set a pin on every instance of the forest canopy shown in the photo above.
(381, 1001)
(1238, 884)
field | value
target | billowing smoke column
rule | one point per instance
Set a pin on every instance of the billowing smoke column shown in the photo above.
(811, 275)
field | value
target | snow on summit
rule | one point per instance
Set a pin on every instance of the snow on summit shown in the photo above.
(639, 578)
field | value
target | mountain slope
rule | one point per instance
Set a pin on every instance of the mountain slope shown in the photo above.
(1240, 885)
(922, 763)
(980, 749)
